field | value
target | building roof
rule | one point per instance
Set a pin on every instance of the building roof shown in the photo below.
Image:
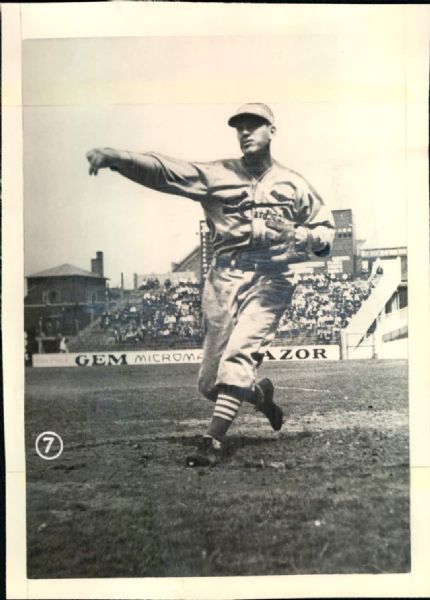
(66, 270)
(182, 265)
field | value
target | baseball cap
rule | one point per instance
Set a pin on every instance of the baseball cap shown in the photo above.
(255, 109)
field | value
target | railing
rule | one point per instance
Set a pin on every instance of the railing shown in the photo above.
(158, 343)
(165, 342)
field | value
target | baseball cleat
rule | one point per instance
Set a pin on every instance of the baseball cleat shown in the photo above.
(270, 409)
(207, 455)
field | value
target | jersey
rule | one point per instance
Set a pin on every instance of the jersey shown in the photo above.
(237, 204)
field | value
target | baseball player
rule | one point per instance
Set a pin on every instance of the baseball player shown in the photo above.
(262, 217)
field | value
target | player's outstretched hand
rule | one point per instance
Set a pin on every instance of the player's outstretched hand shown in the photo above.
(100, 158)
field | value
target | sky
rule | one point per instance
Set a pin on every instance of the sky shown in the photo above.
(339, 110)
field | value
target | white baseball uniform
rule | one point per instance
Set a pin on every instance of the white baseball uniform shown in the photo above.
(249, 284)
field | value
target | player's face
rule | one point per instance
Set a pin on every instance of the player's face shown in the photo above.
(254, 135)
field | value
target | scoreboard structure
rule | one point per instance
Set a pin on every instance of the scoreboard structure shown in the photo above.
(343, 258)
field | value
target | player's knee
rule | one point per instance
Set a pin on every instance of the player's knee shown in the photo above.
(207, 389)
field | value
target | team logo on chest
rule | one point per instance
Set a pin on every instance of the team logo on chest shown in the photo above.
(239, 204)
(276, 203)
(284, 194)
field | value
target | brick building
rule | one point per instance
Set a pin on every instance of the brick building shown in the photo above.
(63, 299)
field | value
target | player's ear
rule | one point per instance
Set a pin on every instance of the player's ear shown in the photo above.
(272, 130)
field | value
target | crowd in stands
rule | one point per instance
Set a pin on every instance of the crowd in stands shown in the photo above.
(168, 310)
(322, 305)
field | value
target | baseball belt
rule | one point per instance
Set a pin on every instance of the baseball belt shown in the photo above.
(243, 263)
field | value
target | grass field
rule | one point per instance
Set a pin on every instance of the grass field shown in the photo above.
(328, 494)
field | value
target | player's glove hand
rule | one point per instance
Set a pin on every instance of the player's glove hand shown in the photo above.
(100, 158)
(287, 234)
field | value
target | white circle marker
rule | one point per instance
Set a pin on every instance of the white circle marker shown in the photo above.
(44, 443)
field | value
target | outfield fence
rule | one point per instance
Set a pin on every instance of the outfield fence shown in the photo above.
(160, 357)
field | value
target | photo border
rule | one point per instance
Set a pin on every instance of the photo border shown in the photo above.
(27, 21)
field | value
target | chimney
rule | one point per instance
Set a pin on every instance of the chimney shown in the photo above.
(122, 281)
(97, 264)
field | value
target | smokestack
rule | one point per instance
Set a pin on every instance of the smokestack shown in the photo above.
(97, 264)
(122, 281)
(99, 256)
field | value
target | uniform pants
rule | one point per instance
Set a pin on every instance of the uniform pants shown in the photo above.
(241, 311)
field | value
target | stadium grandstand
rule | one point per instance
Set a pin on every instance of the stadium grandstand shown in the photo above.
(168, 314)
(356, 299)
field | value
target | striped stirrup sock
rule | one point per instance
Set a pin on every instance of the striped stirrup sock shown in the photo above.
(226, 407)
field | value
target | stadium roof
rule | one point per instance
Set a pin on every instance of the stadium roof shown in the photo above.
(66, 270)
(181, 265)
